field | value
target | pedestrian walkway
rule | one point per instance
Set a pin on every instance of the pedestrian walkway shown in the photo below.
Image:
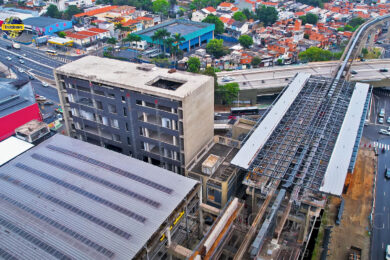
(381, 146)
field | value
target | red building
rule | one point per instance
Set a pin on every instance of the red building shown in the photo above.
(17, 106)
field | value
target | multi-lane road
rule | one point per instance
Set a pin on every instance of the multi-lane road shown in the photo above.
(381, 221)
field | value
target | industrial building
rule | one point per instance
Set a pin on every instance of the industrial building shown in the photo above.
(300, 151)
(156, 115)
(194, 33)
(41, 26)
(17, 105)
(58, 202)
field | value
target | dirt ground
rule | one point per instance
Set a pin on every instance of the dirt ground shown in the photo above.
(354, 227)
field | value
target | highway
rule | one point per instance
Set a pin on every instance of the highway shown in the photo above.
(369, 70)
(35, 61)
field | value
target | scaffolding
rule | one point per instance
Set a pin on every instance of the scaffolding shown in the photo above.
(300, 147)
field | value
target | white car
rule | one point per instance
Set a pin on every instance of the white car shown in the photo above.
(21, 70)
(227, 79)
(9, 58)
(383, 131)
(45, 84)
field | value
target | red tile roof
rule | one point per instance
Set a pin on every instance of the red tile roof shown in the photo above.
(144, 18)
(130, 22)
(224, 19)
(97, 11)
(87, 33)
(234, 9)
(211, 9)
(98, 30)
(225, 4)
(76, 36)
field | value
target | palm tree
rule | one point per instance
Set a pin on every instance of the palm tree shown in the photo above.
(160, 36)
(178, 39)
(157, 37)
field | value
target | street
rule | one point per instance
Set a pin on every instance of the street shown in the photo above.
(381, 219)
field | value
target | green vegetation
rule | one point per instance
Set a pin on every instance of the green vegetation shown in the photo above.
(239, 16)
(373, 53)
(193, 65)
(256, 61)
(52, 11)
(352, 25)
(316, 3)
(199, 4)
(61, 34)
(318, 54)
(309, 18)
(245, 40)
(161, 7)
(70, 11)
(215, 47)
(267, 15)
(112, 41)
(227, 93)
(219, 27)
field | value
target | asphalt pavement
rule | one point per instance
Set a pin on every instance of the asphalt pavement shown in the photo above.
(381, 221)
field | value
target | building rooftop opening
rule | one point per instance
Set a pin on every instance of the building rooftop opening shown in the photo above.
(165, 83)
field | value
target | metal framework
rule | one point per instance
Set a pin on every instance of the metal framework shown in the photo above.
(299, 149)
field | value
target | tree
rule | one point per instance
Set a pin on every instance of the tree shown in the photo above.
(357, 21)
(215, 47)
(239, 16)
(316, 54)
(219, 27)
(279, 62)
(311, 18)
(132, 38)
(61, 34)
(245, 40)
(267, 15)
(177, 41)
(193, 64)
(303, 19)
(70, 11)
(160, 37)
(52, 11)
(228, 92)
(317, 3)
(306, 36)
(160, 6)
(364, 51)
(248, 14)
(256, 61)
(112, 41)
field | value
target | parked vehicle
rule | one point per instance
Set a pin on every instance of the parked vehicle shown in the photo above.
(376, 151)
(380, 120)
(48, 103)
(388, 120)
(227, 79)
(387, 173)
(382, 112)
(16, 46)
(9, 47)
(9, 58)
(44, 84)
(388, 252)
(383, 131)
(20, 70)
(21, 61)
(340, 212)
(354, 72)
(40, 98)
(383, 70)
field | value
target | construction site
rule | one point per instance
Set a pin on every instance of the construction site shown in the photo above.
(296, 155)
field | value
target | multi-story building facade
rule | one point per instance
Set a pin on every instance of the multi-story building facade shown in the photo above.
(149, 113)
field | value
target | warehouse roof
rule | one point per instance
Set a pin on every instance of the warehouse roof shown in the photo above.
(151, 80)
(15, 95)
(89, 203)
(14, 147)
(43, 21)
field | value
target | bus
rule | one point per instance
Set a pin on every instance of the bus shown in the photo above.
(236, 111)
(51, 52)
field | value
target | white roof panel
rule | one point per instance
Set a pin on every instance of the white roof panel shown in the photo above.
(336, 172)
(12, 147)
(264, 130)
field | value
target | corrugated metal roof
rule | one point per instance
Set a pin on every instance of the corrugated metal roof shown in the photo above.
(336, 172)
(260, 136)
(12, 147)
(69, 197)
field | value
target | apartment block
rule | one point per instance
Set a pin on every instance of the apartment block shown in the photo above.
(160, 116)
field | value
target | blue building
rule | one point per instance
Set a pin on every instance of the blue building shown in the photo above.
(46, 25)
(194, 33)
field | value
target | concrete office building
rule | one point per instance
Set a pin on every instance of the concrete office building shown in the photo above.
(140, 110)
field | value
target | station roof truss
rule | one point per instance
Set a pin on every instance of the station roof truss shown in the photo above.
(299, 147)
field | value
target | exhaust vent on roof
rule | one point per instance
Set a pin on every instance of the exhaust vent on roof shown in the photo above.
(210, 165)
(145, 67)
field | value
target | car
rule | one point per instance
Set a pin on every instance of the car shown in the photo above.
(48, 103)
(9, 58)
(59, 117)
(388, 252)
(387, 173)
(44, 84)
(383, 131)
(31, 76)
(380, 120)
(379, 42)
(362, 59)
(354, 72)
(24, 54)
(21, 61)
(9, 47)
(19, 57)
(227, 79)
(40, 98)
(388, 129)
(383, 70)
(20, 70)
(388, 120)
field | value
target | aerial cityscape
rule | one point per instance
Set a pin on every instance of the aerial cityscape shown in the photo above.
(195, 129)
